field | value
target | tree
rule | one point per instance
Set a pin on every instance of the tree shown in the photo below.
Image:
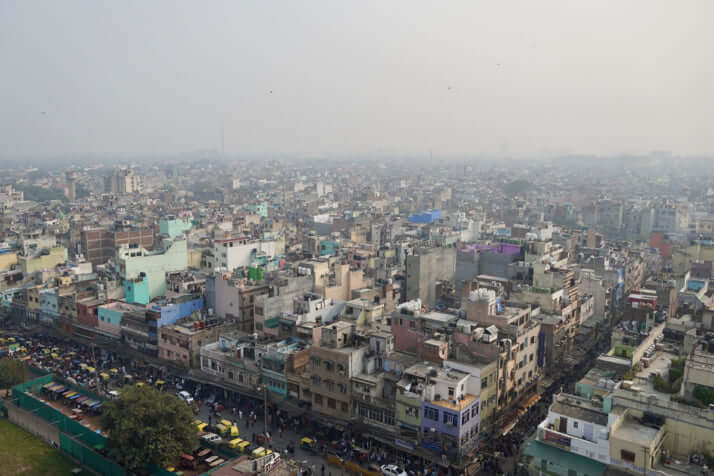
(12, 372)
(148, 427)
(704, 394)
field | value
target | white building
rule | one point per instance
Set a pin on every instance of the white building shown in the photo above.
(232, 253)
(575, 425)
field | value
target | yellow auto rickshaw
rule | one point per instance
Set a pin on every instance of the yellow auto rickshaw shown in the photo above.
(235, 442)
(114, 371)
(200, 425)
(160, 384)
(140, 384)
(222, 429)
(104, 376)
(259, 452)
(307, 444)
(243, 446)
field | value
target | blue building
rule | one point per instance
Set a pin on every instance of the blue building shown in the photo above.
(425, 217)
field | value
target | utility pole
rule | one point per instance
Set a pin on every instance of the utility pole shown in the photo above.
(265, 410)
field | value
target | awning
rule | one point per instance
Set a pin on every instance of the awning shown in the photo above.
(530, 402)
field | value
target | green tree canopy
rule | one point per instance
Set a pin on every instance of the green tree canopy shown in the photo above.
(148, 427)
(704, 394)
(12, 372)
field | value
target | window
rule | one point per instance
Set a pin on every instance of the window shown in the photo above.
(531, 358)
(484, 382)
(344, 407)
(431, 413)
(474, 410)
(412, 325)
(331, 403)
(465, 417)
(532, 339)
(450, 419)
(575, 424)
(318, 399)
(628, 456)
(451, 392)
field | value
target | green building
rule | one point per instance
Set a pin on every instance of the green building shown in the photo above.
(171, 256)
(174, 227)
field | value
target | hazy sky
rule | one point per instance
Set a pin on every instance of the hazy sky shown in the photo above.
(330, 77)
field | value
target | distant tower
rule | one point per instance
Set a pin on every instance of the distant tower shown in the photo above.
(71, 179)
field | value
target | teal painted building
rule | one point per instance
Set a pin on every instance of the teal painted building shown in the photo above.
(171, 256)
(549, 460)
(174, 227)
(329, 247)
(137, 290)
(260, 209)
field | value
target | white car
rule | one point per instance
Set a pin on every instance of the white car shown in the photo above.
(212, 438)
(186, 397)
(392, 470)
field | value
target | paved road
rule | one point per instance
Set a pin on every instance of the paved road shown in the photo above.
(278, 442)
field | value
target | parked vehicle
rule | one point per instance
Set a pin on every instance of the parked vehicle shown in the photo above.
(186, 397)
(392, 470)
(212, 438)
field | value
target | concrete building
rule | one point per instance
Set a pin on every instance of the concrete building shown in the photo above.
(44, 259)
(181, 342)
(123, 181)
(233, 298)
(98, 245)
(131, 262)
(232, 253)
(283, 287)
(424, 268)
(334, 361)
(71, 185)
(173, 227)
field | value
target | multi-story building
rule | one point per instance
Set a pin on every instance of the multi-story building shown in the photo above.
(521, 360)
(133, 262)
(43, 259)
(181, 342)
(233, 298)
(334, 361)
(424, 268)
(123, 181)
(99, 245)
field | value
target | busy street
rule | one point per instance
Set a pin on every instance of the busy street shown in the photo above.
(311, 444)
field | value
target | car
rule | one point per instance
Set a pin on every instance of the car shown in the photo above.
(392, 470)
(186, 397)
(212, 438)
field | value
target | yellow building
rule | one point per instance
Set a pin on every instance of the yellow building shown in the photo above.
(7, 260)
(54, 256)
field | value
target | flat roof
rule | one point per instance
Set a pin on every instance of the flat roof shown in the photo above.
(459, 405)
(635, 432)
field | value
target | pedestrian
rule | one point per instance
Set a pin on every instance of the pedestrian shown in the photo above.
(322, 470)
(240, 414)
